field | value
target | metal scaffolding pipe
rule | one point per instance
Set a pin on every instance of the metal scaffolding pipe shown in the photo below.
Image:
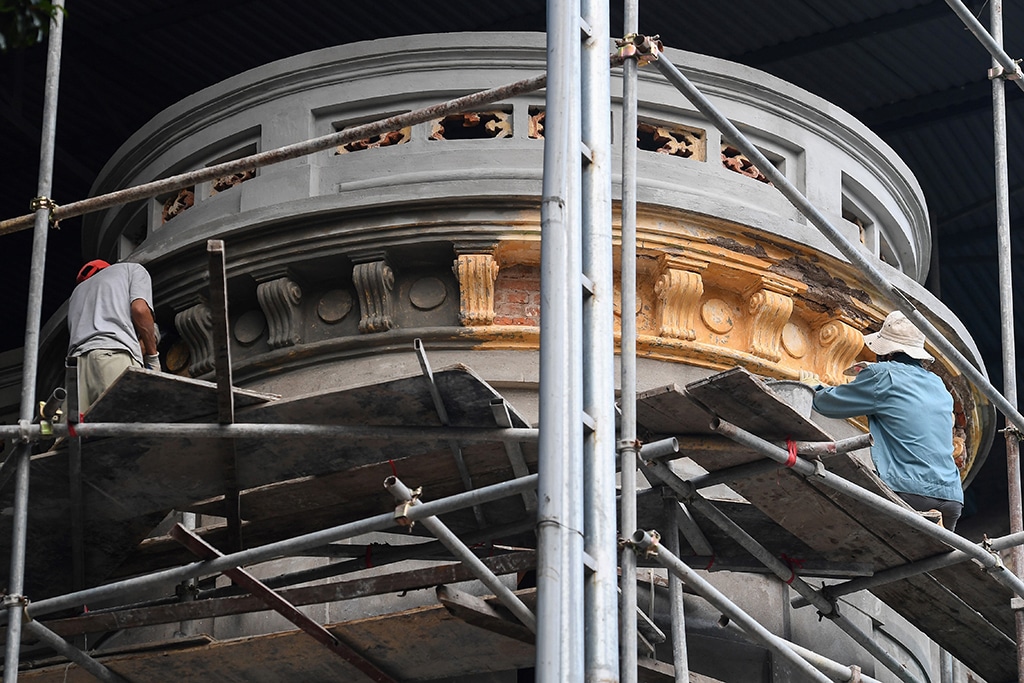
(285, 548)
(841, 673)
(43, 205)
(600, 539)
(457, 548)
(823, 604)
(990, 561)
(990, 43)
(240, 430)
(628, 447)
(63, 647)
(294, 151)
(905, 571)
(1006, 326)
(677, 607)
(647, 543)
(559, 654)
(849, 250)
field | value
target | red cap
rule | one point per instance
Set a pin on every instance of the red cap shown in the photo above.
(90, 269)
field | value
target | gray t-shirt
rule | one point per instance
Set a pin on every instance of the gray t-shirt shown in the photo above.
(100, 310)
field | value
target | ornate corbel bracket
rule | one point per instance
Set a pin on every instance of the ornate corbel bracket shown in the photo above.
(770, 305)
(840, 343)
(476, 273)
(374, 281)
(195, 325)
(679, 289)
(280, 298)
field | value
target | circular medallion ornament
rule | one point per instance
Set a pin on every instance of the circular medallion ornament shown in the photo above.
(427, 293)
(794, 340)
(177, 357)
(249, 326)
(334, 305)
(717, 316)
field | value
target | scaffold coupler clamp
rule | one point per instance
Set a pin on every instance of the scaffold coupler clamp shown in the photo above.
(402, 509)
(1006, 74)
(25, 431)
(16, 600)
(645, 49)
(645, 552)
(41, 202)
(1013, 430)
(998, 565)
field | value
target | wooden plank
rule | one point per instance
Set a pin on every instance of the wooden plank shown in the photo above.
(391, 582)
(407, 644)
(954, 625)
(739, 397)
(130, 484)
(476, 611)
(141, 395)
(978, 631)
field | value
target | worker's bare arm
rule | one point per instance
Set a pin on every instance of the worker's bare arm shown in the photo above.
(142, 319)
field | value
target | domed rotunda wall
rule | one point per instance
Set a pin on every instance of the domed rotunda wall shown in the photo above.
(337, 261)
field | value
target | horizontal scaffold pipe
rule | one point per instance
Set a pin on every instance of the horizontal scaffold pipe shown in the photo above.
(279, 549)
(241, 430)
(913, 569)
(299, 149)
(989, 560)
(887, 290)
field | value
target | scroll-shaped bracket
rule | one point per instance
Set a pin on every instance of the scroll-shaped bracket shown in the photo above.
(195, 325)
(279, 299)
(374, 281)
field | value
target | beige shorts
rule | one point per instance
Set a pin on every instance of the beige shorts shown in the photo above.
(97, 370)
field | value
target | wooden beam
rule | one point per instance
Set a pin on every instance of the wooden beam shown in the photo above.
(277, 603)
(96, 622)
(476, 611)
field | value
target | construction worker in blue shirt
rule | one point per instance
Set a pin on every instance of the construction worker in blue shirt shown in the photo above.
(910, 415)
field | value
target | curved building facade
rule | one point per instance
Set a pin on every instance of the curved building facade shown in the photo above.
(338, 261)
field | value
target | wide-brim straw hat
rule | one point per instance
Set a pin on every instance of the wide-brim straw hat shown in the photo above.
(898, 335)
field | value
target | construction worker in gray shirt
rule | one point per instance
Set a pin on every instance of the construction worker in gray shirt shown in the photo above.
(110, 321)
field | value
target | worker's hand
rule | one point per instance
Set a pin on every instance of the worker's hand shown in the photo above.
(152, 362)
(811, 379)
(855, 369)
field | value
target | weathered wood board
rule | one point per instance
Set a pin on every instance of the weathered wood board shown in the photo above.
(130, 484)
(400, 644)
(963, 609)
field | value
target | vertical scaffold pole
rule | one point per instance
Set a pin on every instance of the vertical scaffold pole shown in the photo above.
(559, 656)
(15, 601)
(601, 635)
(1004, 248)
(628, 447)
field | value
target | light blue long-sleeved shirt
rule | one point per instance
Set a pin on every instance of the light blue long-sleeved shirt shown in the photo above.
(910, 414)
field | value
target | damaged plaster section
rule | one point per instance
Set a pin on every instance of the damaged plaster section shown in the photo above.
(825, 292)
(755, 250)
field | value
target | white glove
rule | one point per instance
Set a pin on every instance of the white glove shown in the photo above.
(152, 362)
